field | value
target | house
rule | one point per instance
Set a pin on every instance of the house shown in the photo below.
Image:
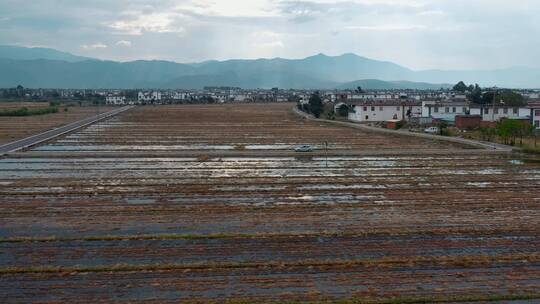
(384, 111)
(115, 100)
(445, 110)
(535, 114)
(492, 113)
(143, 97)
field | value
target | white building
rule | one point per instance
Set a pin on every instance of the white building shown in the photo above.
(535, 115)
(115, 99)
(532, 95)
(445, 110)
(490, 113)
(376, 96)
(180, 96)
(240, 97)
(149, 96)
(379, 112)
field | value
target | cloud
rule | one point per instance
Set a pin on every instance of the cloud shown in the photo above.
(268, 39)
(430, 33)
(124, 43)
(94, 46)
(386, 27)
(152, 23)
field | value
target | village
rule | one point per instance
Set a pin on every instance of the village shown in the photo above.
(363, 106)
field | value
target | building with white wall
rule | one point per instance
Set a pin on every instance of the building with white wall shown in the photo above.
(535, 114)
(148, 96)
(115, 100)
(378, 112)
(445, 110)
(493, 114)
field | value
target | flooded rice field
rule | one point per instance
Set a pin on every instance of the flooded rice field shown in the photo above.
(230, 220)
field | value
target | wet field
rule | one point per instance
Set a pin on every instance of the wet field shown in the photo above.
(206, 203)
(13, 128)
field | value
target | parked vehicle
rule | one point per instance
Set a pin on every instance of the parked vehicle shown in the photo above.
(304, 148)
(432, 130)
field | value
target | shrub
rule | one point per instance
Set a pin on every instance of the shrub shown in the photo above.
(29, 112)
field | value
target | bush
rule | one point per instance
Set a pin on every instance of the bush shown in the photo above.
(445, 132)
(29, 112)
(331, 116)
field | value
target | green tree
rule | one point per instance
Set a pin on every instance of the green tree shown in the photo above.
(343, 110)
(315, 104)
(526, 129)
(509, 129)
(507, 98)
(460, 87)
(476, 94)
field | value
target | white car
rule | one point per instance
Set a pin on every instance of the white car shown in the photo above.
(304, 148)
(432, 130)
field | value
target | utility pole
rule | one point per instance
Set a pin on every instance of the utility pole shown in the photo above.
(493, 110)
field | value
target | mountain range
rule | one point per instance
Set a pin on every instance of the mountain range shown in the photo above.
(49, 68)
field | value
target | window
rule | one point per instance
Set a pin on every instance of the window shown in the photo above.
(536, 112)
(380, 108)
(486, 110)
(373, 109)
(464, 110)
(453, 109)
(367, 117)
(436, 110)
(447, 110)
(537, 124)
(505, 110)
(515, 110)
(365, 109)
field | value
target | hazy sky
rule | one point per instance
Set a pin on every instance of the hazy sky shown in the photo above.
(420, 34)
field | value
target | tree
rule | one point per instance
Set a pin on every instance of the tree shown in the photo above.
(315, 104)
(343, 110)
(509, 129)
(359, 89)
(460, 87)
(476, 94)
(526, 129)
(507, 98)
(511, 98)
(487, 133)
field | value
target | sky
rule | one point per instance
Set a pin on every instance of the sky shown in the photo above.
(419, 34)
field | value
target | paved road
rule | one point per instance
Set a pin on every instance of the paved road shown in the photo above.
(48, 135)
(474, 143)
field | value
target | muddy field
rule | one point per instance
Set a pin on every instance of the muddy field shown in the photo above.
(207, 203)
(18, 127)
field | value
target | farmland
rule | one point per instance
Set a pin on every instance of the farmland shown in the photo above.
(202, 203)
(13, 128)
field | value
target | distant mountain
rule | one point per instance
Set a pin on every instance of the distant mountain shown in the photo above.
(43, 73)
(45, 68)
(375, 84)
(24, 53)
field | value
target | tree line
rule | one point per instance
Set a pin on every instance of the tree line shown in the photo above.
(499, 97)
